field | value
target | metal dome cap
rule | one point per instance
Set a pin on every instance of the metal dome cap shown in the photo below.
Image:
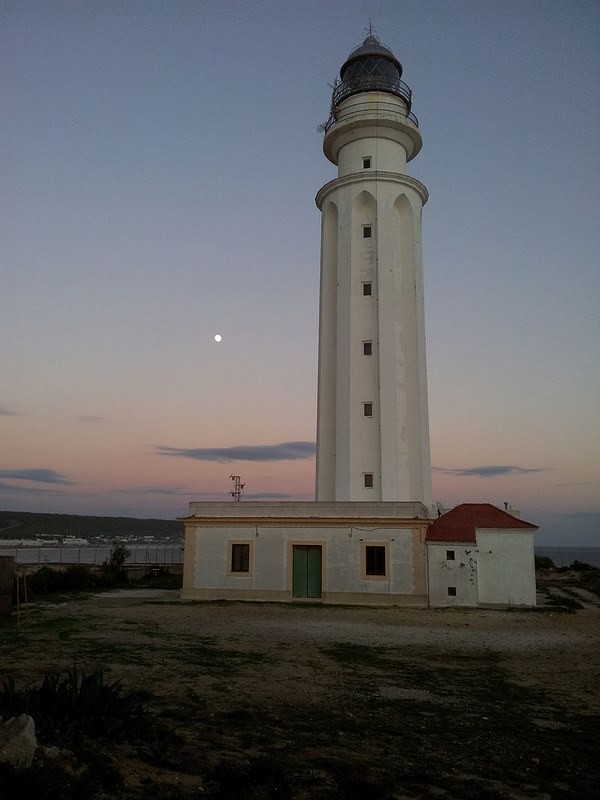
(371, 67)
(371, 48)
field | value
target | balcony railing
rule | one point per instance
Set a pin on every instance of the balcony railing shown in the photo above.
(361, 110)
(371, 83)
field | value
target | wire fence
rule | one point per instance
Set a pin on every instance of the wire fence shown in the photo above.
(159, 554)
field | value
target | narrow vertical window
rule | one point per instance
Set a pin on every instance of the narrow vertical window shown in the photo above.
(368, 409)
(367, 289)
(367, 231)
(240, 558)
(368, 480)
(375, 560)
(367, 162)
(367, 348)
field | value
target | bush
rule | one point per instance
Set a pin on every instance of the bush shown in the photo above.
(75, 578)
(543, 562)
(113, 568)
(581, 566)
(71, 704)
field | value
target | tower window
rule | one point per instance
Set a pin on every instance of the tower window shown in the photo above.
(449, 555)
(367, 289)
(367, 231)
(368, 480)
(367, 348)
(452, 591)
(368, 409)
(367, 162)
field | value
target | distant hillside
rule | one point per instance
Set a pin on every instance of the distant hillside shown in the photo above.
(24, 525)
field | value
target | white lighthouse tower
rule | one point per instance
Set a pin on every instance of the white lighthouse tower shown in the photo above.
(372, 421)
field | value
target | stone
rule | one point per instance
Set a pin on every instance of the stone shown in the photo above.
(17, 741)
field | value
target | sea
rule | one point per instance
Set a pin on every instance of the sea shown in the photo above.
(565, 556)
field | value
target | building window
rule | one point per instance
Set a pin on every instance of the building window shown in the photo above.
(450, 555)
(367, 162)
(452, 591)
(375, 560)
(368, 409)
(367, 231)
(367, 348)
(367, 289)
(240, 557)
(368, 480)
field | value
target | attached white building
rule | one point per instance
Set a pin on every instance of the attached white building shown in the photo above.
(479, 555)
(372, 553)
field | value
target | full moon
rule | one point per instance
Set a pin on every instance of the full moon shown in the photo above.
(218, 337)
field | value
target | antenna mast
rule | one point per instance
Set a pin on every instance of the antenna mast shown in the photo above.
(238, 488)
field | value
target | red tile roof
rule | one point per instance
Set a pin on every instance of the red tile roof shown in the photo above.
(460, 524)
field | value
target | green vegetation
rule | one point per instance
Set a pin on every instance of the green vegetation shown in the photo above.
(544, 562)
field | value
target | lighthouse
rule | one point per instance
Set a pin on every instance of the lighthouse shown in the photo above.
(372, 418)
(364, 539)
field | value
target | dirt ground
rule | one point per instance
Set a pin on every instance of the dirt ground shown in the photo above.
(349, 702)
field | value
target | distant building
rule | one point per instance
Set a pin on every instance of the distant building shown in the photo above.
(478, 555)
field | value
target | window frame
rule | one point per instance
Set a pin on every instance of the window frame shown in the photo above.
(385, 576)
(366, 477)
(450, 555)
(367, 287)
(367, 345)
(367, 409)
(367, 231)
(231, 544)
(451, 591)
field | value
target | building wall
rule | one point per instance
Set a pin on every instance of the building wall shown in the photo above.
(207, 573)
(393, 443)
(458, 573)
(372, 411)
(506, 567)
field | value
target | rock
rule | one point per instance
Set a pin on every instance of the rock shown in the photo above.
(17, 741)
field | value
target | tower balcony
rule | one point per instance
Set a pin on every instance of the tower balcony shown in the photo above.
(367, 114)
(371, 83)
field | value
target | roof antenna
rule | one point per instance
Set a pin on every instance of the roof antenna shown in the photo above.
(238, 488)
(370, 28)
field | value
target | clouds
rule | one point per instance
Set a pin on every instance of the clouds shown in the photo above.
(39, 475)
(494, 471)
(169, 491)
(4, 412)
(286, 451)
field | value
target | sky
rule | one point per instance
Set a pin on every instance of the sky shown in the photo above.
(159, 167)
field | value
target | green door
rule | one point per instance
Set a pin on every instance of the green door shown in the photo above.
(307, 570)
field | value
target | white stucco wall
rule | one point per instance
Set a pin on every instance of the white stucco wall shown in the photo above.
(341, 530)
(342, 552)
(506, 567)
(391, 445)
(460, 573)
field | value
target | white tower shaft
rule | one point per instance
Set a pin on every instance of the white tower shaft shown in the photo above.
(372, 422)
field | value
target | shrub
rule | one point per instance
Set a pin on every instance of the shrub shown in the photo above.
(113, 568)
(581, 566)
(70, 704)
(74, 578)
(543, 562)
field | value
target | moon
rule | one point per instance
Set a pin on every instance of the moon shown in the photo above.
(218, 337)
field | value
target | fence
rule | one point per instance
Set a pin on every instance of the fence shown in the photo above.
(140, 555)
